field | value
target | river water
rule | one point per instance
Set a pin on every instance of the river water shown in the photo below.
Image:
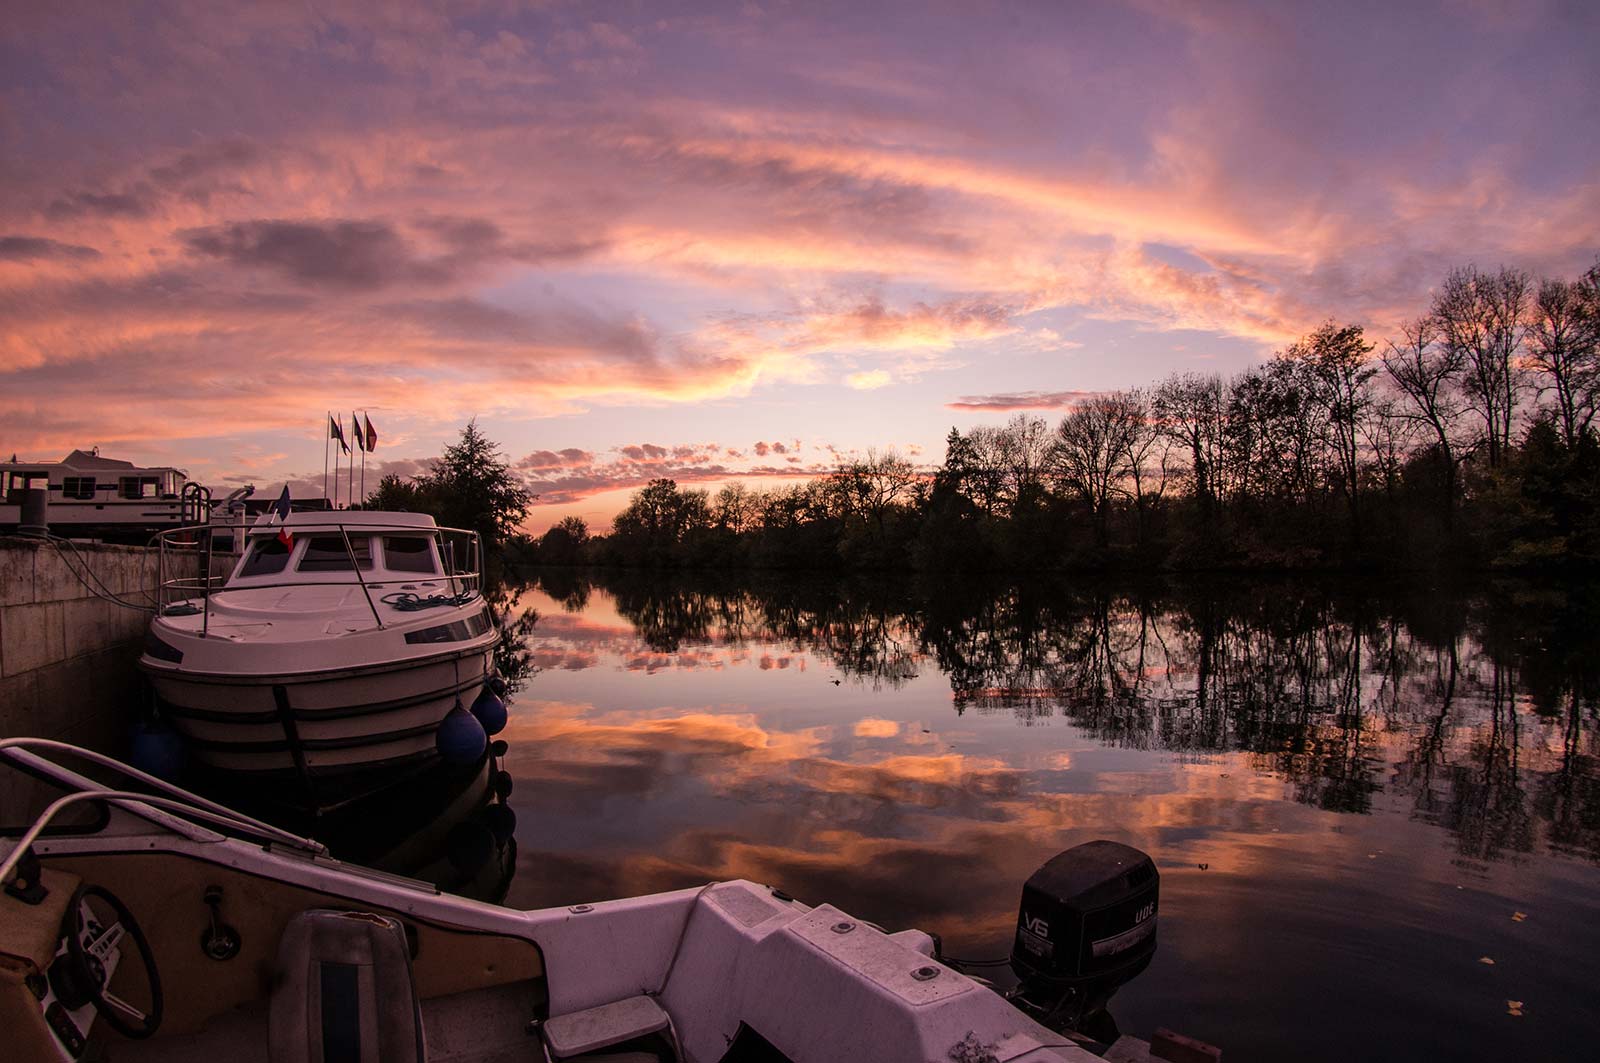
(1376, 812)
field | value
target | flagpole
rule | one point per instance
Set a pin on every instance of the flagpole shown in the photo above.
(350, 489)
(363, 463)
(325, 441)
(335, 466)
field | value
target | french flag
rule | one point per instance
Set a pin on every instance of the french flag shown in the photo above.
(280, 514)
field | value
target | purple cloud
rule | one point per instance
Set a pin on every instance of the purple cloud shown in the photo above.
(1021, 400)
(26, 248)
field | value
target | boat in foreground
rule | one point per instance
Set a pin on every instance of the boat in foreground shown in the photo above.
(160, 925)
(329, 655)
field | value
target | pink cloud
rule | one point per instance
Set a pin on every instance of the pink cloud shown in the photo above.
(407, 207)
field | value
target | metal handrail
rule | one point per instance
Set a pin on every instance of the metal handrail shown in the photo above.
(33, 746)
(469, 582)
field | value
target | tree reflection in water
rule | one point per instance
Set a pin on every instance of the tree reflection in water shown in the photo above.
(1475, 708)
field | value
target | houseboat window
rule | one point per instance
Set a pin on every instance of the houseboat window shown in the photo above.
(267, 557)
(327, 553)
(137, 486)
(169, 485)
(77, 487)
(23, 481)
(409, 553)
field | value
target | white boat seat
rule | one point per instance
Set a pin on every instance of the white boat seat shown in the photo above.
(344, 992)
(571, 1036)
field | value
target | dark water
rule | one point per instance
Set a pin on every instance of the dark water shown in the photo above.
(1356, 798)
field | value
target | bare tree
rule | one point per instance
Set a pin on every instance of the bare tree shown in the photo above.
(1025, 446)
(1483, 318)
(1275, 434)
(736, 507)
(1389, 434)
(1147, 457)
(1428, 371)
(1089, 453)
(1563, 341)
(1191, 412)
(872, 486)
(1337, 359)
(985, 473)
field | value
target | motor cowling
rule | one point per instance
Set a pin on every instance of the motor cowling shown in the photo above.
(1087, 922)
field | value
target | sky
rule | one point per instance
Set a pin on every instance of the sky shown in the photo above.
(733, 241)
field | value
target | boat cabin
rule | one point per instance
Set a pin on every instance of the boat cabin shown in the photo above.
(94, 496)
(400, 547)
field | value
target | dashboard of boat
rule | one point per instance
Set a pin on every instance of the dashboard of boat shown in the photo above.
(66, 941)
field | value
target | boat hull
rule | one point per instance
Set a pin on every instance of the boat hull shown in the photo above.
(337, 733)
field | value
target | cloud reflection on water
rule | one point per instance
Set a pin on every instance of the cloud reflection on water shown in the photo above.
(1367, 780)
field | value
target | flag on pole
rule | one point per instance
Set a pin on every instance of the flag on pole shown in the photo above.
(335, 432)
(372, 433)
(356, 433)
(279, 515)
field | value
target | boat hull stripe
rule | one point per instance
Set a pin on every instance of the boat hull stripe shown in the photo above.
(313, 715)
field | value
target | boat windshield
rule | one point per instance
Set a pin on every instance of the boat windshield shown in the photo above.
(267, 557)
(328, 553)
(410, 553)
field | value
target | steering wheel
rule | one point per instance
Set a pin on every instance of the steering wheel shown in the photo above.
(80, 977)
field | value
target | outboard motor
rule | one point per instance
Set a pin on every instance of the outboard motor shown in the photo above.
(1086, 926)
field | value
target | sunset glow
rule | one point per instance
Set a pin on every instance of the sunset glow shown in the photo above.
(715, 242)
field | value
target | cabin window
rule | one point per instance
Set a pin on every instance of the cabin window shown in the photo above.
(327, 553)
(77, 487)
(24, 481)
(267, 557)
(409, 553)
(137, 486)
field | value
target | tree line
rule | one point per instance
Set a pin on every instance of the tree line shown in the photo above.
(1468, 440)
(1478, 707)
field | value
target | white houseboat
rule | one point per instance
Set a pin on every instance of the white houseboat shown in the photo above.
(92, 496)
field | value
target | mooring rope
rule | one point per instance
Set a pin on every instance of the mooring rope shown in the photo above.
(103, 592)
(411, 602)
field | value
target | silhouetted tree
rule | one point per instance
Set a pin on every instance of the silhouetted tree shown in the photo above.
(1482, 317)
(1428, 372)
(1564, 348)
(473, 486)
(1091, 453)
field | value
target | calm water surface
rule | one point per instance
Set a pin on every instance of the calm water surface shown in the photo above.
(1376, 814)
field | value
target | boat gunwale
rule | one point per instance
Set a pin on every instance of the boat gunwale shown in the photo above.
(168, 670)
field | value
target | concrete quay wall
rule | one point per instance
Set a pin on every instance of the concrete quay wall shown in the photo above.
(67, 657)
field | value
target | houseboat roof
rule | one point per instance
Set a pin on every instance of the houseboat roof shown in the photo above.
(84, 461)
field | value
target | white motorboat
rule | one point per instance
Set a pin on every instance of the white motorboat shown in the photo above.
(157, 925)
(330, 655)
